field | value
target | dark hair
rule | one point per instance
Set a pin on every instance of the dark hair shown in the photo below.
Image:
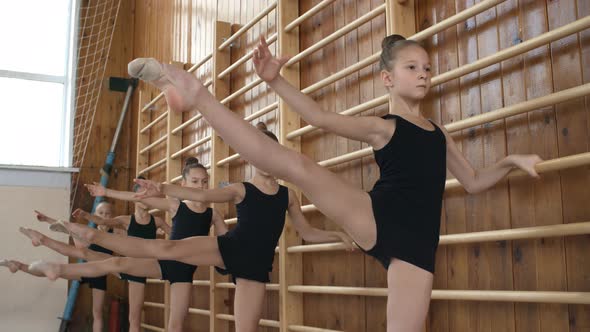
(136, 186)
(190, 163)
(390, 47)
(262, 127)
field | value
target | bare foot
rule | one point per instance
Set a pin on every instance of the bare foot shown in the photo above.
(11, 265)
(50, 270)
(59, 227)
(36, 237)
(180, 87)
(78, 232)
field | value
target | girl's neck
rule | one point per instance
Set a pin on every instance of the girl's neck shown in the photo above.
(141, 214)
(404, 106)
(264, 180)
(193, 205)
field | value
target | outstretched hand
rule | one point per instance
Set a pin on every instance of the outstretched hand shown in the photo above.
(96, 189)
(148, 188)
(266, 65)
(42, 217)
(79, 213)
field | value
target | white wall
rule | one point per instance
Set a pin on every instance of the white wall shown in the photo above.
(28, 303)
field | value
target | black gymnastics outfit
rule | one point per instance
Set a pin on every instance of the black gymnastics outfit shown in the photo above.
(248, 249)
(185, 223)
(407, 198)
(147, 231)
(97, 282)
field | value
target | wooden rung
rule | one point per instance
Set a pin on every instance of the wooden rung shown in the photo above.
(459, 295)
(200, 63)
(301, 328)
(154, 144)
(156, 165)
(262, 322)
(201, 283)
(231, 221)
(311, 12)
(199, 312)
(152, 103)
(176, 179)
(154, 305)
(152, 328)
(231, 285)
(262, 111)
(187, 123)
(273, 38)
(191, 146)
(228, 160)
(153, 123)
(242, 90)
(337, 34)
(536, 232)
(154, 281)
(248, 25)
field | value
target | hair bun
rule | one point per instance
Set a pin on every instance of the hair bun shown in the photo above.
(391, 40)
(191, 161)
(261, 126)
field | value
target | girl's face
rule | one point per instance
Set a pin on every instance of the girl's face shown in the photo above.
(410, 76)
(196, 178)
(104, 210)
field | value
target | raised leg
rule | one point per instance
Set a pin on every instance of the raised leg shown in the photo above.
(346, 205)
(65, 249)
(196, 250)
(144, 267)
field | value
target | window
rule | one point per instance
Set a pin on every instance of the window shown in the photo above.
(36, 82)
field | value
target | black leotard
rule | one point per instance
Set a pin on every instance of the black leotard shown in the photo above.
(248, 250)
(407, 198)
(147, 231)
(98, 282)
(185, 223)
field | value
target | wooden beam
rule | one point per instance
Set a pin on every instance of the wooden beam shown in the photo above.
(290, 266)
(219, 175)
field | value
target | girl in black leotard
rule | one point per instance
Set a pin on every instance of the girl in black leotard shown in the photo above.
(190, 218)
(370, 218)
(246, 252)
(141, 225)
(91, 253)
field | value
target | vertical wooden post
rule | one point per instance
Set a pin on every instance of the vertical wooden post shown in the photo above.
(219, 150)
(400, 17)
(173, 168)
(142, 139)
(290, 266)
